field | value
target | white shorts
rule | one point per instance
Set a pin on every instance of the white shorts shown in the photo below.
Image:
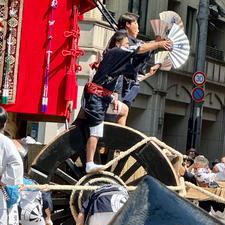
(97, 131)
(110, 109)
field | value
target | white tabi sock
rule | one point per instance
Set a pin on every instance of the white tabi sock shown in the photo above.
(91, 167)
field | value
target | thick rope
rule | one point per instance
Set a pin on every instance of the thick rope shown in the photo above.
(127, 152)
(181, 188)
(45, 187)
(122, 155)
(167, 147)
(183, 191)
(208, 193)
(138, 145)
(98, 179)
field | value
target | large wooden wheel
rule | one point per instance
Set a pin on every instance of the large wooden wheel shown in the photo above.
(62, 162)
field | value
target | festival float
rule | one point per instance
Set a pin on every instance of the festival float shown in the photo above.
(38, 67)
(39, 52)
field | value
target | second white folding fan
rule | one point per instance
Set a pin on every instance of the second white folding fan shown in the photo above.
(180, 46)
(163, 58)
(160, 28)
(171, 18)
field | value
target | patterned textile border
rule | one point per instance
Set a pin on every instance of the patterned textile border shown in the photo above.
(14, 24)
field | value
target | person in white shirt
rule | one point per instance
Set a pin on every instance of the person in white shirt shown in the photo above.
(11, 173)
(219, 169)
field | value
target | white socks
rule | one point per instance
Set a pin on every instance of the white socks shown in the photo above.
(92, 168)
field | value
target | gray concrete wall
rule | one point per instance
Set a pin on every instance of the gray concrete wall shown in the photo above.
(179, 87)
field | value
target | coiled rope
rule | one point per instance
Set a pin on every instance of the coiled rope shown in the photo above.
(182, 188)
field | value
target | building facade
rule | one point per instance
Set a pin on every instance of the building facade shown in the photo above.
(163, 105)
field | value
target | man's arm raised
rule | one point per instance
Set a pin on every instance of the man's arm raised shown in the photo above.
(155, 45)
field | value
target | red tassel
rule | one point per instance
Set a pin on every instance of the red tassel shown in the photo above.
(67, 113)
(75, 94)
(81, 17)
(71, 88)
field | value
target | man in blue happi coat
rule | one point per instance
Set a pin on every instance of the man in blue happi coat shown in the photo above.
(119, 59)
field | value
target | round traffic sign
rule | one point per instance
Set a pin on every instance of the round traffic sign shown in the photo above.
(199, 78)
(198, 94)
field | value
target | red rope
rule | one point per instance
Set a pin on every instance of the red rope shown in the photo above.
(74, 52)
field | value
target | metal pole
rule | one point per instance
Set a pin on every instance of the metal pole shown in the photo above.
(108, 13)
(195, 120)
(108, 20)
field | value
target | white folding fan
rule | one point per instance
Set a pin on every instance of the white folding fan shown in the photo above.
(163, 58)
(171, 18)
(160, 28)
(180, 46)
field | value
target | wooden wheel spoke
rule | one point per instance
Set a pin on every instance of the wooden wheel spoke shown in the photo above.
(59, 214)
(130, 171)
(110, 155)
(139, 152)
(76, 171)
(60, 201)
(136, 181)
(82, 157)
(119, 167)
(38, 175)
(97, 157)
(74, 157)
(65, 176)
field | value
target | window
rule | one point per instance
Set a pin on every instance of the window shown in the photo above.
(173, 5)
(191, 21)
(140, 8)
(215, 39)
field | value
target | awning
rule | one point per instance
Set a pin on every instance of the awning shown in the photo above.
(85, 5)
